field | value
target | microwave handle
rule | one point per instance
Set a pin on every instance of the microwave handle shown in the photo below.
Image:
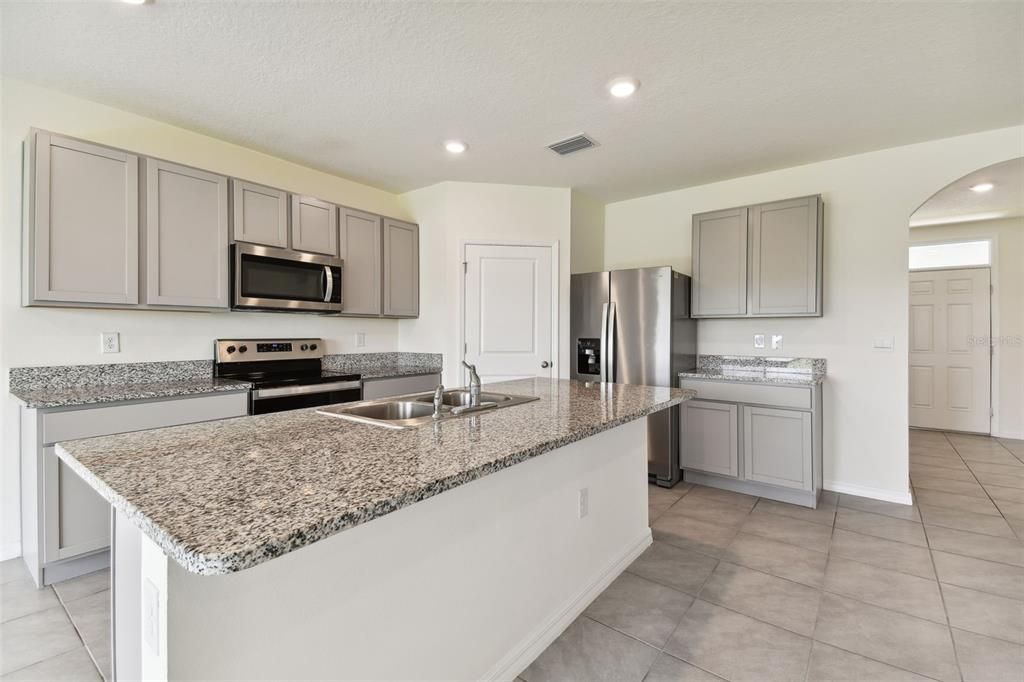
(329, 289)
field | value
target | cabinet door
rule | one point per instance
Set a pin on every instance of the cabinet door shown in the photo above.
(401, 269)
(260, 214)
(720, 263)
(314, 226)
(77, 518)
(785, 257)
(186, 236)
(777, 447)
(708, 439)
(83, 223)
(361, 249)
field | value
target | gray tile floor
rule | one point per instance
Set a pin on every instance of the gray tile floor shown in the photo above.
(741, 588)
(57, 633)
(734, 587)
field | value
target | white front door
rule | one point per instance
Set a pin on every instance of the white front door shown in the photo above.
(510, 299)
(950, 353)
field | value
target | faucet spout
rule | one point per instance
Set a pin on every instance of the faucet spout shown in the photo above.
(474, 385)
(438, 400)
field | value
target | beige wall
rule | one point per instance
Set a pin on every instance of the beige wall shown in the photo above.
(1007, 312)
(868, 201)
(587, 234)
(452, 213)
(48, 336)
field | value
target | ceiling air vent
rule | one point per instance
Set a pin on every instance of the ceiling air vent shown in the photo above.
(572, 144)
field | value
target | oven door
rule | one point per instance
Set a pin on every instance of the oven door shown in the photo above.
(282, 398)
(277, 279)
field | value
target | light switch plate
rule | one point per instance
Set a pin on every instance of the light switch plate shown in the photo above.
(110, 342)
(360, 339)
(584, 502)
(758, 340)
(776, 341)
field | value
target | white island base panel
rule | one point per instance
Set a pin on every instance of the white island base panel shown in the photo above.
(470, 584)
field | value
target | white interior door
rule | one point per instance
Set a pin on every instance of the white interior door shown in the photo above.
(950, 352)
(510, 298)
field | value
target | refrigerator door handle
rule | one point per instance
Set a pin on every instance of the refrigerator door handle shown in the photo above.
(604, 343)
(610, 334)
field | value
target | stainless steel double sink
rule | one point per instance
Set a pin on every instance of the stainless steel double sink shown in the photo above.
(411, 411)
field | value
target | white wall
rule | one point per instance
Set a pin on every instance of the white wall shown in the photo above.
(452, 213)
(48, 336)
(1007, 237)
(868, 201)
(587, 234)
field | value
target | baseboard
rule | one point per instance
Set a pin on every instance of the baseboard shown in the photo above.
(873, 493)
(531, 646)
(10, 550)
(1015, 435)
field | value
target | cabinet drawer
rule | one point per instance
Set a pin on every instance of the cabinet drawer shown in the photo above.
(99, 421)
(796, 397)
(383, 388)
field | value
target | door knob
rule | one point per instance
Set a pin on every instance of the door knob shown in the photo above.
(545, 364)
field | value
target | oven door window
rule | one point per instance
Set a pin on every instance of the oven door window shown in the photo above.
(281, 279)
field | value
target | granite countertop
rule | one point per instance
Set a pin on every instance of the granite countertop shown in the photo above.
(759, 369)
(219, 497)
(65, 396)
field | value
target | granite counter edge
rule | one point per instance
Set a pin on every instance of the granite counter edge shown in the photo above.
(222, 564)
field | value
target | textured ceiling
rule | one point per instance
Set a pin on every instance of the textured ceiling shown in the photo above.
(956, 203)
(370, 90)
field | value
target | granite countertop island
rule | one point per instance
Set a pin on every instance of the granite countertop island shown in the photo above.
(757, 369)
(220, 497)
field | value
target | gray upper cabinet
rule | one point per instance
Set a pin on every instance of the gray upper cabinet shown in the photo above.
(401, 269)
(185, 236)
(314, 226)
(785, 258)
(777, 446)
(720, 263)
(259, 215)
(361, 248)
(759, 261)
(81, 223)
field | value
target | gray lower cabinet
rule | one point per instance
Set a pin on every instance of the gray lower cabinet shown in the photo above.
(754, 438)
(65, 523)
(401, 269)
(259, 214)
(777, 447)
(387, 387)
(185, 236)
(314, 226)
(764, 260)
(361, 241)
(81, 226)
(711, 442)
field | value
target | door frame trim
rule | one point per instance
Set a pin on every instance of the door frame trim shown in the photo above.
(555, 297)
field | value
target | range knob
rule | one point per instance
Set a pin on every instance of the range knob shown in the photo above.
(230, 349)
(242, 349)
(304, 347)
(312, 346)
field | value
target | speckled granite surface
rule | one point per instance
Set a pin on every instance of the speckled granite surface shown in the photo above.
(765, 370)
(223, 496)
(384, 365)
(96, 394)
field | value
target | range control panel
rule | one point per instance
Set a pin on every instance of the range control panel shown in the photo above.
(255, 350)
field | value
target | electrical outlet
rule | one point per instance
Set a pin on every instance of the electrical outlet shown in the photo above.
(110, 342)
(584, 502)
(776, 342)
(360, 339)
(758, 340)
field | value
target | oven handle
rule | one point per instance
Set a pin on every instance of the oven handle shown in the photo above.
(330, 283)
(263, 393)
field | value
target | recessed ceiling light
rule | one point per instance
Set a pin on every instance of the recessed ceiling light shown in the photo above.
(623, 87)
(455, 147)
(982, 187)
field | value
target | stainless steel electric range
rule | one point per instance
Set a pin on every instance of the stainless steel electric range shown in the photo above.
(286, 374)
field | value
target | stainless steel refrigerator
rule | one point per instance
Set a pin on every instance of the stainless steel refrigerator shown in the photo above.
(634, 327)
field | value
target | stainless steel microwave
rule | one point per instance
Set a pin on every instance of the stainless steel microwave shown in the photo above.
(265, 278)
